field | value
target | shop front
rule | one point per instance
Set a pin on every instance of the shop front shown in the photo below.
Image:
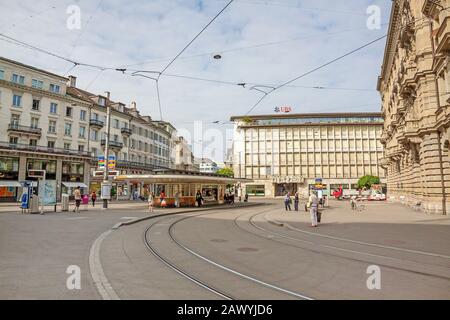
(9, 176)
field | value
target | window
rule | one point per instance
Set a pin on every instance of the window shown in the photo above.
(18, 79)
(68, 129)
(94, 135)
(52, 126)
(13, 140)
(94, 152)
(53, 108)
(34, 123)
(81, 147)
(37, 84)
(17, 100)
(15, 120)
(33, 143)
(116, 138)
(2, 75)
(51, 144)
(66, 146)
(54, 88)
(36, 104)
(116, 123)
(101, 101)
(82, 115)
(82, 133)
(69, 112)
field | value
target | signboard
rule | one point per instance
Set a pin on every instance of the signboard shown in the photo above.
(47, 192)
(284, 109)
(106, 191)
(36, 173)
(288, 179)
(113, 173)
(111, 162)
(101, 162)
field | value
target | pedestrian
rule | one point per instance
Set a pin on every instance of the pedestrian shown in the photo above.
(93, 198)
(353, 202)
(246, 197)
(177, 199)
(151, 197)
(313, 204)
(162, 199)
(296, 201)
(77, 196)
(199, 198)
(226, 198)
(287, 201)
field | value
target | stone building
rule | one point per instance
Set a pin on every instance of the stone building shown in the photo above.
(415, 91)
(291, 152)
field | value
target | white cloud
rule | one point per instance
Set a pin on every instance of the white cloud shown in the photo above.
(128, 32)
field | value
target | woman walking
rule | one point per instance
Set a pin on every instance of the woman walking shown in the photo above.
(199, 198)
(93, 198)
(151, 197)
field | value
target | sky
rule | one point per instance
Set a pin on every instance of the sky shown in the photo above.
(265, 42)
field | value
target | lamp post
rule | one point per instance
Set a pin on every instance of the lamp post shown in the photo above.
(106, 187)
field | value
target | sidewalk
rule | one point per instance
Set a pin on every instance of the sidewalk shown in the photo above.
(116, 205)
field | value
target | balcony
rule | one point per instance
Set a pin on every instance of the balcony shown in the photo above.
(41, 149)
(114, 145)
(126, 131)
(96, 123)
(12, 127)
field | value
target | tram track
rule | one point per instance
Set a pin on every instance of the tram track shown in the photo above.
(195, 254)
(251, 222)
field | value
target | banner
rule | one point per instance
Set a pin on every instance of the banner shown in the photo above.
(101, 161)
(111, 162)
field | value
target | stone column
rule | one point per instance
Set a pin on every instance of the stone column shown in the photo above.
(58, 179)
(22, 167)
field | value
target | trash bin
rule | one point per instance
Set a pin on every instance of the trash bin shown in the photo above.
(64, 202)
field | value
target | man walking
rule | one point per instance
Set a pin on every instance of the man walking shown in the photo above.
(287, 201)
(296, 201)
(77, 196)
(313, 204)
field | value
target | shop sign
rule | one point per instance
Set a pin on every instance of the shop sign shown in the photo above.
(288, 179)
(111, 162)
(101, 162)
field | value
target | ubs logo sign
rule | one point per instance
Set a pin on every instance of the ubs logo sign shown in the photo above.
(285, 109)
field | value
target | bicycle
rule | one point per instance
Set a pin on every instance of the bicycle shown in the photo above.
(360, 207)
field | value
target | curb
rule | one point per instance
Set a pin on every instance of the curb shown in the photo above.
(130, 222)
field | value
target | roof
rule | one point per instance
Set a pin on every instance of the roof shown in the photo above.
(34, 68)
(309, 115)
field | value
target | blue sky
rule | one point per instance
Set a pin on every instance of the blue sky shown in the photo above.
(261, 41)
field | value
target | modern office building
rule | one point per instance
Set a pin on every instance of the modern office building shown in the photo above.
(291, 152)
(415, 91)
(48, 123)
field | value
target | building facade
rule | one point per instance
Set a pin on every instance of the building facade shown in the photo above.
(49, 123)
(184, 158)
(282, 153)
(208, 166)
(39, 131)
(415, 91)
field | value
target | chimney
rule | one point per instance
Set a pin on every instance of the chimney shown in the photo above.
(108, 95)
(72, 81)
(133, 105)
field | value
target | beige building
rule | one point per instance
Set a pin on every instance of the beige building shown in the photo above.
(184, 158)
(290, 152)
(415, 90)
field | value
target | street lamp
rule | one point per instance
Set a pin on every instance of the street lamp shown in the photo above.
(106, 186)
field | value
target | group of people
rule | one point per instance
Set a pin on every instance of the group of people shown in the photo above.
(229, 198)
(312, 204)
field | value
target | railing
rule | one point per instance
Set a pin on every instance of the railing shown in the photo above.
(95, 122)
(26, 147)
(126, 131)
(112, 144)
(17, 127)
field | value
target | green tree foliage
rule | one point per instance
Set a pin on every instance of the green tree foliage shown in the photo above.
(368, 181)
(226, 172)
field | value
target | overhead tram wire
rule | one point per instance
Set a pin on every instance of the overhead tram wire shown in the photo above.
(160, 73)
(314, 70)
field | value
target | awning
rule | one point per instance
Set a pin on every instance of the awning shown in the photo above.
(74, 184)
(6, 183)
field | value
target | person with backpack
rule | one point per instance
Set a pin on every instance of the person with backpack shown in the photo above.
(287, 201)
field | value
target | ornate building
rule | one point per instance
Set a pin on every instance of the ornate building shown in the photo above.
(415, 91)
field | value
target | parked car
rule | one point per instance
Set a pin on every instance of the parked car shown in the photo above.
(377, 197)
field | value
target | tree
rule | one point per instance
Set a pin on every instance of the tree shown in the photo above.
(368, 181)
(228, 172)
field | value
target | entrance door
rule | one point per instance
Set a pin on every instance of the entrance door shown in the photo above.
(282, 188)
